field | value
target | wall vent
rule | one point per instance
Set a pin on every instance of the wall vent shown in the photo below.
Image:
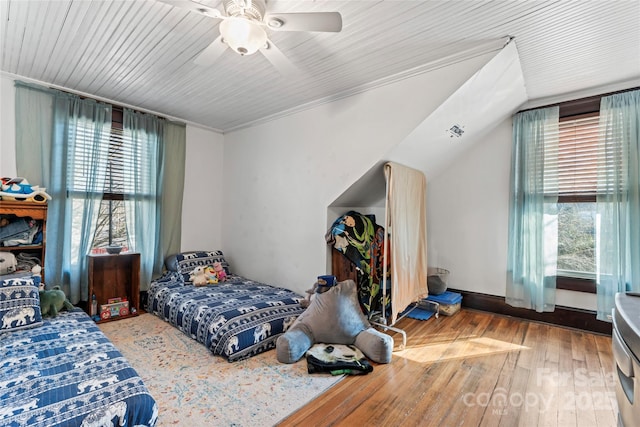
(455, 130)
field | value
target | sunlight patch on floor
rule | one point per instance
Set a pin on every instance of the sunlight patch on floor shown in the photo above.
(459, 349)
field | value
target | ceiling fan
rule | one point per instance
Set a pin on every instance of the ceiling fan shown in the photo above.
(244, 24)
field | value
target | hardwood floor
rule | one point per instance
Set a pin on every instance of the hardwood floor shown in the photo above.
(478, 369)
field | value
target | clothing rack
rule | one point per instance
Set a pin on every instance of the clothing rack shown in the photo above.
(405, 228)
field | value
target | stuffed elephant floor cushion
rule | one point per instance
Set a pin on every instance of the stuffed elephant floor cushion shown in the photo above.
(334, 317)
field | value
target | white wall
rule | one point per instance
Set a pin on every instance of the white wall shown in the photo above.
(468, 215)
(7, 127)
(203, 190)
(281, 176)
(202, 200)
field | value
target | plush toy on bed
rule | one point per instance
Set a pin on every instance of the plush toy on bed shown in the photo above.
(53, 301)
(198, 276)
(334, 317)
(222, 275)
(212, 276)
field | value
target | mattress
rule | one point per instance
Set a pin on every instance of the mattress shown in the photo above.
(235, 319)
(67, 373)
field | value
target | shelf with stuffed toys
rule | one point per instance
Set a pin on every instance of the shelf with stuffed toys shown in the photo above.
(22, 236)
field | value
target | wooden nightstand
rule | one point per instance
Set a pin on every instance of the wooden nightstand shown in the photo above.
(115, 276)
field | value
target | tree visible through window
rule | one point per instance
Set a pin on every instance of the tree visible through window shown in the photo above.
(576, 239)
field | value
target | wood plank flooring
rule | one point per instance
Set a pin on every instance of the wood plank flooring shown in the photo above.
(478, 369)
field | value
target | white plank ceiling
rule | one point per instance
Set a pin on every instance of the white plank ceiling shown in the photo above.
(140, 52)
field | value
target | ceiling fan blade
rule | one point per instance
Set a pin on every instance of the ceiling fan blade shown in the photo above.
(200, 8)
(211, 53)
(309, 21)
(278, 60)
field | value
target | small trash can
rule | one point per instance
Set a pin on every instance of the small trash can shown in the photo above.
(437, 280)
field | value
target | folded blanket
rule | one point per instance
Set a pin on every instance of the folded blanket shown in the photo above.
(14, 229)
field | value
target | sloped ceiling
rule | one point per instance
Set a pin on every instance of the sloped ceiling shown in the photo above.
(479, 105)
(475, 108)
(140, 52)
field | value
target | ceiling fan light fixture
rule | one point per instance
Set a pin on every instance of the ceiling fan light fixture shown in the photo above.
(242, 35)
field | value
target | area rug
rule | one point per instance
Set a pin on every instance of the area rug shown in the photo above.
(195, 388)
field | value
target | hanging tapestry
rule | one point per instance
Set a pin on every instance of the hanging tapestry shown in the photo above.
(361, 240)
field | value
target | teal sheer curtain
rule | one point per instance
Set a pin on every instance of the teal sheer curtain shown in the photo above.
(143, 188)
(77, 129)
(82, 130)
(62, 143)
(532, 247)
(618, 200)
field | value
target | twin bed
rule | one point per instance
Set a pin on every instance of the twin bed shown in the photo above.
(65, 372)
(235, 319)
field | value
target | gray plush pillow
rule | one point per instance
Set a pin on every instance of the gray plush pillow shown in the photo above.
(334, 317)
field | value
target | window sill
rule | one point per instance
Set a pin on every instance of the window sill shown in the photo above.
(576, 284)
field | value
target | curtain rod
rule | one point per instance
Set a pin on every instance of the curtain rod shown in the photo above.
(576, 104)
(174, 119)
(56, 91)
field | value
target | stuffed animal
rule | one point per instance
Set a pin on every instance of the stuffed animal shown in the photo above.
(334, 317)
(19, 190)
(222, 275)
(53, 301)
(212, 276)
(198, 276)
(317, 288)
(36, 270)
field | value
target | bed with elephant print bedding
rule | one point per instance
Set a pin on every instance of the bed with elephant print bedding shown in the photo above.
(64, 371)
(236, 318)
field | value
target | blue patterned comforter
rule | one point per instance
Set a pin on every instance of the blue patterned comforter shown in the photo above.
(67, 373)
(235, 319)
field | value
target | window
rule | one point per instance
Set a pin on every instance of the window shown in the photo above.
(105, 185)
(574, 202)
(111, 226)
(121, 161)
(576, 162)
(576, 186)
